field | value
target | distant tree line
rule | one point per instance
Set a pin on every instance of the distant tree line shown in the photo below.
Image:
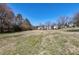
(9, 22)
(67, 21)
(62, 22)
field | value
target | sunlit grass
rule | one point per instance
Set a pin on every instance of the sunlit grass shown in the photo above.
(40, 42)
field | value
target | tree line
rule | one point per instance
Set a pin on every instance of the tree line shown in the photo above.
(9, 22)
(63, 22)
(68, 21)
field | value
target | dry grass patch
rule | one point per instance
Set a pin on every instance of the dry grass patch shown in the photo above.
(37, 42)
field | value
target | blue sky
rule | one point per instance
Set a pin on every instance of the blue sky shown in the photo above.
(42, 12)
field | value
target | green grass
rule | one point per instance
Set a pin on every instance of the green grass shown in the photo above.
(40, 42)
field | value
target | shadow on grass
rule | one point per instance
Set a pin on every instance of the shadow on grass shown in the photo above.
(73, 30)
(13, 32)
(9, 32)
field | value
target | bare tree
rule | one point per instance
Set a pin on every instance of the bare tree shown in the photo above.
(21, 24)
(76, 19)
(6, 15)
(48, 23)
(29, 25)
(64, 21)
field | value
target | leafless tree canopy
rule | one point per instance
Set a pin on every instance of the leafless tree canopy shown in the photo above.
(76, 19)
(9, 22)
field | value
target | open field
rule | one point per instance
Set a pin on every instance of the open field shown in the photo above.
(38, 42)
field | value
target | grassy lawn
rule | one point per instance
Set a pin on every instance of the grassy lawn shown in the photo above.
(40, 42)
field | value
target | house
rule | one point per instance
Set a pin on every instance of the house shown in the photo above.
(40, 28)
(49, 27)
(71, 25)
(55, 27)
(44, 27)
